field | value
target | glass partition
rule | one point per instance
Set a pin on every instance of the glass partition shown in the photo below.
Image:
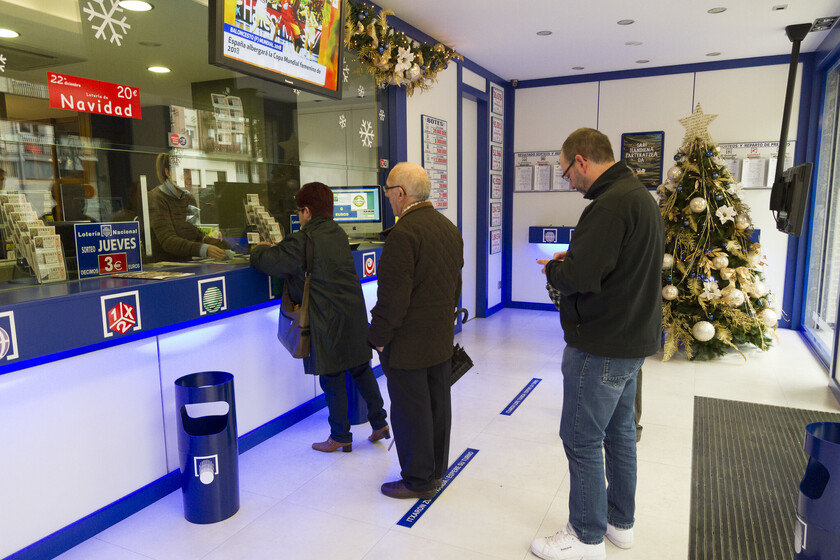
(227, 135)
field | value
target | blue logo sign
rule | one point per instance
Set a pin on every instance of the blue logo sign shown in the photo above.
(212, 296)
(8, 336)
(107, 248)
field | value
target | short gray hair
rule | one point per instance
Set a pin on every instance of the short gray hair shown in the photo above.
(412, 178)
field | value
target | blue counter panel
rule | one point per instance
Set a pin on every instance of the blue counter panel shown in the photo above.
(550, 234)
(53, 321)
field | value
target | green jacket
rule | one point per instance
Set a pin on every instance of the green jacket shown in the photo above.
(337, 313)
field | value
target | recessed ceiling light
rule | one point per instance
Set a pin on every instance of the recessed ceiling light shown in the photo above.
(544, 33)
(135, 5)
(8, 34)
(159, 69)
(780, 7)
(712, 54)
(625, 22)
(150, 44)
(577, 67)
(633, 43)
(717, 10)
(642, 61)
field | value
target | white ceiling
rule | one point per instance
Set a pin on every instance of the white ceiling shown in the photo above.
(501, 36)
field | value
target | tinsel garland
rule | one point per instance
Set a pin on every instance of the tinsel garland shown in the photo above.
(701, 236)
(389, 55)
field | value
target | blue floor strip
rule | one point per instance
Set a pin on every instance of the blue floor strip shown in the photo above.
(514, 404)
(410, 518)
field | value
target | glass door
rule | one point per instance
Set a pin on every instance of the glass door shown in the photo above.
(821, 302)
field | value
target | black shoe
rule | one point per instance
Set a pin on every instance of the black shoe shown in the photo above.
(398, 490)
(438, 484)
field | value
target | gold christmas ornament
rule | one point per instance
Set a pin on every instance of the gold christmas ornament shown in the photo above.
(727, 273)
(703, 331)
(697, 204)
(697, 125)
(759, 289)
(769, 317)
(670, 292)
(733, 297)
(667, 260)
(719, 262)
(674, 174)
(742, 222)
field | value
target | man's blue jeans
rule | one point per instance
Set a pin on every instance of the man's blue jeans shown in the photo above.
(598, 409)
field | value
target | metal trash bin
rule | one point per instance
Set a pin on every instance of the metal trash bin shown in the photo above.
(207, 446)
(817, 533)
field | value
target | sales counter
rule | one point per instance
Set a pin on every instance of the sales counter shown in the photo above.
(87, 378)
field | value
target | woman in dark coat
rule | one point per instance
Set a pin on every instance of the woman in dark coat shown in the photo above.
(337, 314)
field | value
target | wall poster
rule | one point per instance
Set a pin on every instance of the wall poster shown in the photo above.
(495, 241)
(495, 158)
(496, 130)
(497, 100)
(435, 159)
(495, 186)
(642, 151)
(495, 214)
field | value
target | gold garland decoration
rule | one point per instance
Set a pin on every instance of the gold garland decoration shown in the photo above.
(389, 55)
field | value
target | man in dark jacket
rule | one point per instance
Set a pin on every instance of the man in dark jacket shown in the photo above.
(337, 313)
(611, 312)
(413, 326)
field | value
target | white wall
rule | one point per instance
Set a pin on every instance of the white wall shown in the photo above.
(749, 103)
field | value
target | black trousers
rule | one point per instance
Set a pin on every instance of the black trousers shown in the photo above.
(421, 418)
(335, 392)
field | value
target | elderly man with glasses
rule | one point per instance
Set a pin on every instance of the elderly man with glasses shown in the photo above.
(412, 327)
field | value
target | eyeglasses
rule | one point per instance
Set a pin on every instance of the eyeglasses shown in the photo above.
(385, 189)
(566, 173)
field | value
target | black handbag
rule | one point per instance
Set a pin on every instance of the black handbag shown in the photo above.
(461, 361)
(293, 328)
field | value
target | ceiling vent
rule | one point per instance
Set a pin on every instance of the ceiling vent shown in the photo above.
(25, 59)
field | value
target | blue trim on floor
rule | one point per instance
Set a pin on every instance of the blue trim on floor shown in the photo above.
(78, 532)
(531, 305)
(421, 506)
(514, 404)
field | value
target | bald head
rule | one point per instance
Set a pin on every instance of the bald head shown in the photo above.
(412, 178)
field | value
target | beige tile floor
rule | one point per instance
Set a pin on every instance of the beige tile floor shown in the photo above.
(297, 503)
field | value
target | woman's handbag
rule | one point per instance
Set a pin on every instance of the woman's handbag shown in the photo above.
(293, 329)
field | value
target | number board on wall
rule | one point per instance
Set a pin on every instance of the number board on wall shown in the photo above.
(435, 159)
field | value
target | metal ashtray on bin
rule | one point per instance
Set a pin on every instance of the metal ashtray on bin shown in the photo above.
(207, 446)
(817, 534)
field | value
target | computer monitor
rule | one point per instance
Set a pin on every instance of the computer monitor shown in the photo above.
(358, 210)
(789, 198)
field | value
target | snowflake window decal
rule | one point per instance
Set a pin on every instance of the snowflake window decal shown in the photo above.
(342, 121)
(381, 114)
(346, 73)
(361, 91)
(2, 63)
(296, 91)
(366, 134)
(117, 27)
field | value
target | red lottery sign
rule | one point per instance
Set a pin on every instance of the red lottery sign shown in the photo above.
(93, 96)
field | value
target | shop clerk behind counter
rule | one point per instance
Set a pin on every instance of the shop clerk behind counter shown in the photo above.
(174, 237)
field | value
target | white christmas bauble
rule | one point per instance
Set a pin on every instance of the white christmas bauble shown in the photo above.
(670, 187)
(720, 262)
(670, 292)
(697, 204)
(759, 289)
(727, 273)
(674, 174)
(769, 317)
(703, 331)
(734, 298)
(667, 260)
(742, 222)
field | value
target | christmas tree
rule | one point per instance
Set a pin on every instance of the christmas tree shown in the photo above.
(714, 296)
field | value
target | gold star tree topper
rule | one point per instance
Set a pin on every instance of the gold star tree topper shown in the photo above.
(697, 125)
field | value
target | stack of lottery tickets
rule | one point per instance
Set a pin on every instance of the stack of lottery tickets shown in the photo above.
(267, 227)
(33, 240)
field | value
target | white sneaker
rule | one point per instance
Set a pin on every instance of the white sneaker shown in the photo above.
(622, 538)
(564, 545)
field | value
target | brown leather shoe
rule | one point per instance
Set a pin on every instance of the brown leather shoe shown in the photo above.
(398, 490)
(381, 433)
(331, 445)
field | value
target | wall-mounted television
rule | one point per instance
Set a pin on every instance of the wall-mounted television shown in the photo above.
(358, 210)
(292, 42)
(789, 198)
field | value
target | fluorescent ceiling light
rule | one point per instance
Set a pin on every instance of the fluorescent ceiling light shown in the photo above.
(8, 34)
(159, 69)
(135, 5)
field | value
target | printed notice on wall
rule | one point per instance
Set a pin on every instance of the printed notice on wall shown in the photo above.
(435, 160)
(495, 241)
